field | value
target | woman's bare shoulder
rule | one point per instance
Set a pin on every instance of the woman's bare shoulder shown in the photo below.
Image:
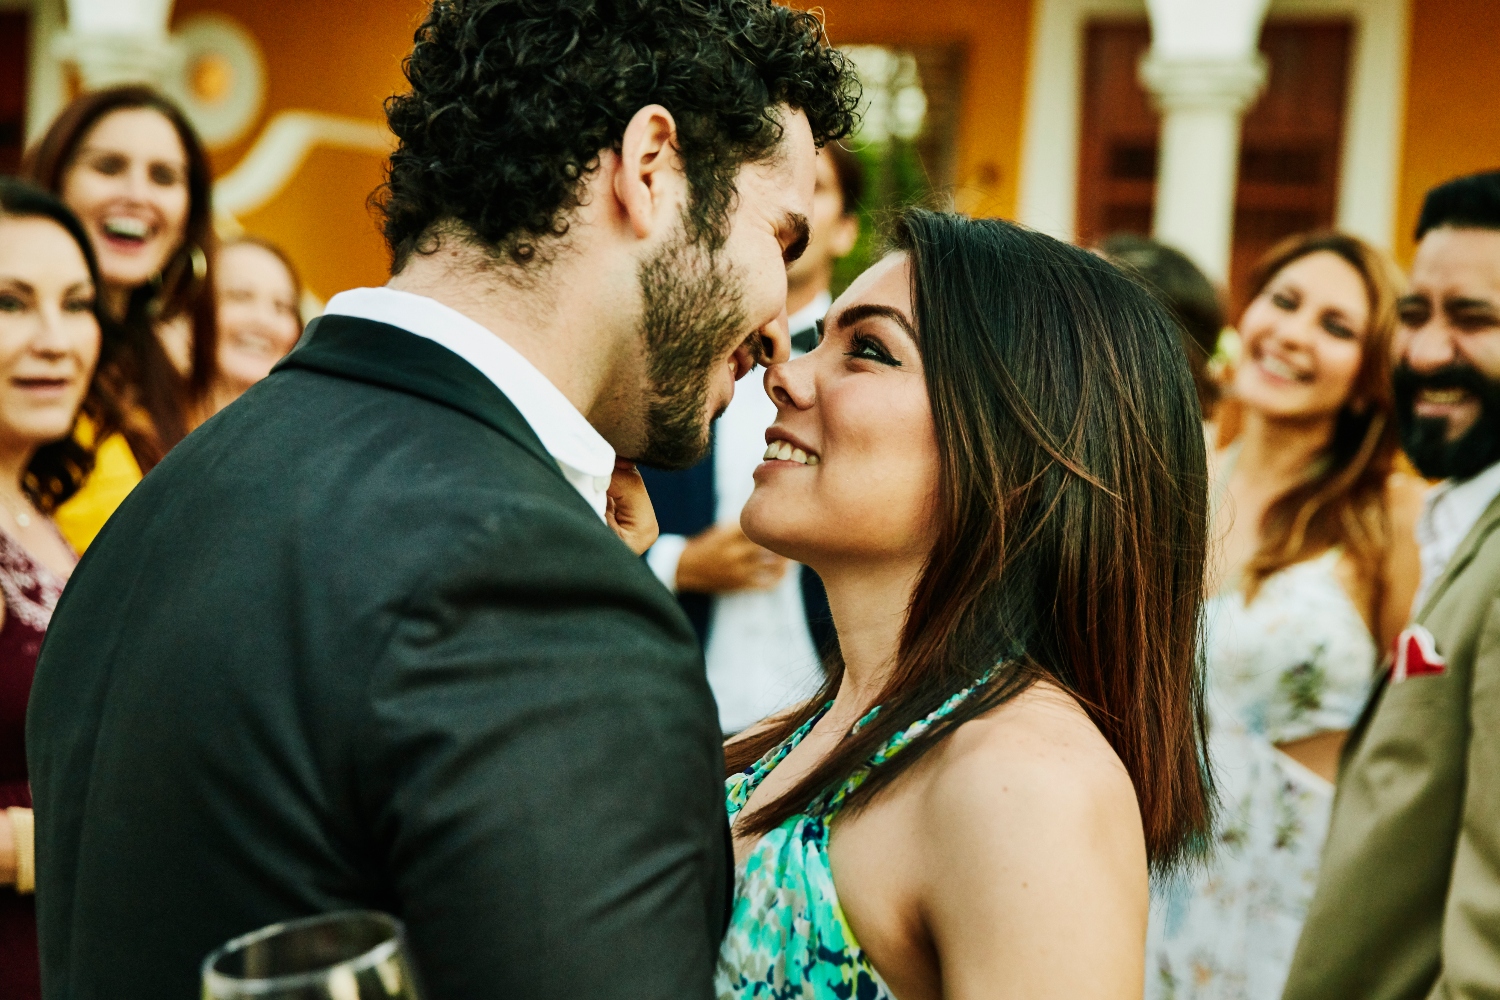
(1028, 813)
(1032, 765)
(1404, 494)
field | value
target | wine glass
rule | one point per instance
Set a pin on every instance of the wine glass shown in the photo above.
(351, 955)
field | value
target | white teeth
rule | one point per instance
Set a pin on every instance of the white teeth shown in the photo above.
(785, 451)
(1280, 368)
(126, 226)
(1443, 397)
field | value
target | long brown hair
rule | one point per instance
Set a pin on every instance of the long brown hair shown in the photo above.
(185, 287)
(1072, 520)
(1342, 501)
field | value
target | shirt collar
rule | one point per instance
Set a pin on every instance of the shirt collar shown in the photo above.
(1455, 505)
(566, 434)
(809, 314)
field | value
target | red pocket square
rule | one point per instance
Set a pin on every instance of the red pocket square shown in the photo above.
(1415, 655)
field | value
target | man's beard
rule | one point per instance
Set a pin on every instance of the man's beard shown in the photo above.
(693, 314)
(1426, 438)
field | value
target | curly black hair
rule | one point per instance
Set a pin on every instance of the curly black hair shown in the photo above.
(512, 101)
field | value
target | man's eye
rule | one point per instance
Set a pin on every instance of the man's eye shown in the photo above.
(1412, 315)
(1469, 322)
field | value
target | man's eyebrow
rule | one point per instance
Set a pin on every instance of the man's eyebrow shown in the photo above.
(796, 224)
(1413, 299)
(870, 310)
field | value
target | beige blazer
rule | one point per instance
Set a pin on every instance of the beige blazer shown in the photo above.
(1408, 898)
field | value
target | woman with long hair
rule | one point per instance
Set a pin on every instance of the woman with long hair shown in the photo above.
(51, 338)
(994, 461)
(130, 166)
(259, 296)
(1313, 575)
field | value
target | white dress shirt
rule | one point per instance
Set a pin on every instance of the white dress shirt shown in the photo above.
(761, 657)
(587, 460)
(1449, 512)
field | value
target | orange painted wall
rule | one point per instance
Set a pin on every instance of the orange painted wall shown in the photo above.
(342, 57)
(996, 35)
(1453, 101)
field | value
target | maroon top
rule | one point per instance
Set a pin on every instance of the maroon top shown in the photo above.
(30, 591)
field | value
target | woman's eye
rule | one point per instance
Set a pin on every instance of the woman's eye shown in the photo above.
(165, 175)
(868, 349)
(109, 165)
(79, 305)
(10, 303)
(1338, 329)
(1283, 301)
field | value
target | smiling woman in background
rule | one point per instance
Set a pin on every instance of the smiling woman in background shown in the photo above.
(258, 295)
(1313, 575)
(129, 165)
(50, 342)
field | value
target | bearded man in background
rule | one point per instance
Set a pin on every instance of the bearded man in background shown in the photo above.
(1408, 899)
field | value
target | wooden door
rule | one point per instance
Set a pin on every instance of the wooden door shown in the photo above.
(1289, 151)
(14, 32)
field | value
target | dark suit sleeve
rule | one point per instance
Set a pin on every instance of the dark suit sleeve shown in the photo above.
(548, 781)
(1470, 958)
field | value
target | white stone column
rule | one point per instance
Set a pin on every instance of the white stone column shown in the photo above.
(1203, 70)
(118, 41)
(1202, 103)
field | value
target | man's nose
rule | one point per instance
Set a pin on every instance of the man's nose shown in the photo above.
(776, 339)
(1430, 347)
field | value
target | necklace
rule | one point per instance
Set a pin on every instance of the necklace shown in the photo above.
(22, 518)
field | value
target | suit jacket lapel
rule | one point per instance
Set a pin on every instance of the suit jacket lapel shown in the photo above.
(1487, 522)
(394, 358)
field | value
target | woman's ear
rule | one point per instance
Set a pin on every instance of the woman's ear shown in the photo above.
(650, 183)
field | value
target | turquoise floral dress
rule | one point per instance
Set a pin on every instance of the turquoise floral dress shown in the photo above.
(788, 938)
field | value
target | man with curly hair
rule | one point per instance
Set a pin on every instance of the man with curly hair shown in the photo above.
(366, 639)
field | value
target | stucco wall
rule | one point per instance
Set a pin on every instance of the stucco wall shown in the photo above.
(1453, 101)
(996, 37)
(337, 56)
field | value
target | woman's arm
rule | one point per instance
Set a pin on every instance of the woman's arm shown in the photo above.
(17, 849)
(1403, 563)
(1035, 864)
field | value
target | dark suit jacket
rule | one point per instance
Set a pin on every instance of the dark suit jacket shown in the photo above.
(357, 643)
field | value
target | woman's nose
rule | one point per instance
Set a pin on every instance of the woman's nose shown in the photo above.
(791, 384)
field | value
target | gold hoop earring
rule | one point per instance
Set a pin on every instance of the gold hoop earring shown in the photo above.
(199, 260)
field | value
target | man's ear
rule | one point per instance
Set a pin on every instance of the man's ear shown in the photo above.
(845, 235)
(650, 184)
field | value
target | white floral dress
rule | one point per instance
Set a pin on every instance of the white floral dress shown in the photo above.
(1297, 661)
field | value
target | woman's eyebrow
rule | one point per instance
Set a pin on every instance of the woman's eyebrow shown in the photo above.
(855, 313)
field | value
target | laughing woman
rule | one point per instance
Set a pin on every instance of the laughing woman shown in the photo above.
(995, 463)
(50, 340)
(129, 165)
(1312, 576)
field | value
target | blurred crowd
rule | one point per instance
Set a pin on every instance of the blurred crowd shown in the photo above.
(126, 321)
